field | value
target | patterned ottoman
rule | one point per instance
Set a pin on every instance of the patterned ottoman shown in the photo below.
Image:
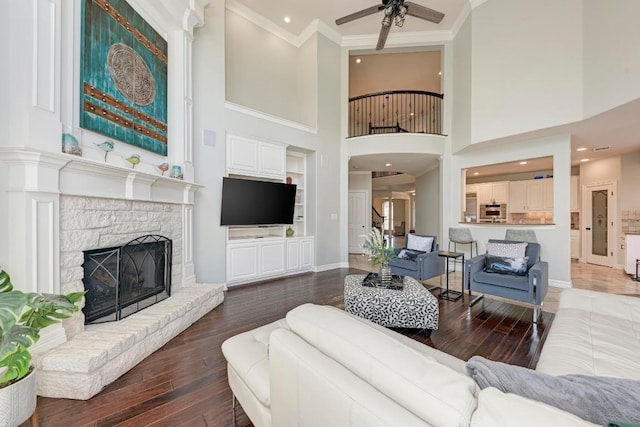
(412, 307)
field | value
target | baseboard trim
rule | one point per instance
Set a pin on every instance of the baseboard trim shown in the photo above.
(326, 267)
(561, 284)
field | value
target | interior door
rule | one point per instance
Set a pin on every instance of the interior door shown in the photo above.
(599, 225)
(358, 213)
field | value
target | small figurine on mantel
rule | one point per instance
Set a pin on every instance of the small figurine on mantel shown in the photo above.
(107, 147)
(134, 159)
(163, 167)
(70, 145)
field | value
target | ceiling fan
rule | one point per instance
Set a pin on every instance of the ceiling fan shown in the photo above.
(394, 11)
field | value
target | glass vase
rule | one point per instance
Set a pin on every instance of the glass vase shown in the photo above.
(385, 273)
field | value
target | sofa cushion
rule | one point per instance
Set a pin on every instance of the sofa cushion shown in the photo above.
(248, 354)
(498, 409)
(593, 398)
(419, 243)
(505, 280)
(593, 333)
(410, 254)
(508, 250)
(504, 265)
(434, 392)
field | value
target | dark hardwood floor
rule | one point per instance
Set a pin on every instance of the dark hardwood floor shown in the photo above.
(185, 382)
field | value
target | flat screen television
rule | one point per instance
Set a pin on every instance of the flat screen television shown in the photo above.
(247, 202)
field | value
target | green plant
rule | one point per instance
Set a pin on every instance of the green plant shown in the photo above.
(376, 248)
(22, 316)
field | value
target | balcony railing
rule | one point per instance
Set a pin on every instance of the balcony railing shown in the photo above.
(395, 111)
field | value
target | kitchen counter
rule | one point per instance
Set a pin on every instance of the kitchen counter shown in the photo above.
(510, 224)
(631, 233)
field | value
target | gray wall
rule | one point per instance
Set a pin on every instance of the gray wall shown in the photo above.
(427, 203)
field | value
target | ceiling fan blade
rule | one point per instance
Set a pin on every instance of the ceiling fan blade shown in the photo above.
(422, 12)
(361, 14)
(382, 39)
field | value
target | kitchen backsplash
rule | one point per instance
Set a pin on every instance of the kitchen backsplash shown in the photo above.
(631, 221)
(532, 218)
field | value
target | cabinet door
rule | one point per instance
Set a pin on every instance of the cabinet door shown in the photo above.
(242, 154)
(501, 192)
(547, 185)
(535, 195)
(272, 257)
(575, 244)
(272, 159)
(242, 262)
(306, 253)
(293, 254)
(485, 193)
(517, 196)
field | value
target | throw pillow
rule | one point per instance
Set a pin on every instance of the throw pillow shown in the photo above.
(504, 265)
(593, 398)
(409, 254)
(508, 250)
(419, 243)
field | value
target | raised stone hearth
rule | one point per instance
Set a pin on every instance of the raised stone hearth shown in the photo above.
(84, 365)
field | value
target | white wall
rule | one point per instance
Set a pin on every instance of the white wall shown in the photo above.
(307, 81)
(554, 239)
(611, 56)
(428, 210)
(629, 180)
(263, 71)
(526, 66)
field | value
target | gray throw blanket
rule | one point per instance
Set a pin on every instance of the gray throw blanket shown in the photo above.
(592, 398)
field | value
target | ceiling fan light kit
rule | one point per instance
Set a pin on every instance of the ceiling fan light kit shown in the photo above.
(394, 11)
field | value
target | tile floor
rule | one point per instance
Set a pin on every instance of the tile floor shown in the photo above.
(583, 276)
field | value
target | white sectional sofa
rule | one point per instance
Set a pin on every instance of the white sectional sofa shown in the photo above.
(324, 367)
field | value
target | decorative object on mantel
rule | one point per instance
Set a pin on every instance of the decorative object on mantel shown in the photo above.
(70, 145)
(22, 316)
(163, 167)
(379, 253)
(176, 172)
(123, 75)
(107, 147)
(134, 159)
(290, 232)
(289, 180)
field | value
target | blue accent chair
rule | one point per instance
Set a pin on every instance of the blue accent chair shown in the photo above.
(424, 266)
(531, 288)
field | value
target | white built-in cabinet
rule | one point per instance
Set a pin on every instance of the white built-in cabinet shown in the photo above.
(632, 249)
(251, 157)
(534, 195)
(575, 244)
(493, 192)
(257, 253)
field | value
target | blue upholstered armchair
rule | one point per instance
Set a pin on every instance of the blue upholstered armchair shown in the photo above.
(422, 261)
(529, 288)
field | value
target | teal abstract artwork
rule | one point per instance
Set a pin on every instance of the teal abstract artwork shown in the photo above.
(123, 76)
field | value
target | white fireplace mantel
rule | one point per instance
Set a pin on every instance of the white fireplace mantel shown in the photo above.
(33, 170)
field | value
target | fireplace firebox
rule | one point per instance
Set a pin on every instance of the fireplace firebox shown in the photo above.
(123, 280)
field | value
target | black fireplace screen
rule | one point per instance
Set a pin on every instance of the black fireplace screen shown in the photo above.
(121, 281)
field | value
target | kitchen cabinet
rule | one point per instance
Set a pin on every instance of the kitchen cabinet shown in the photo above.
(534, 195)
(632, 247)
(575, 244)
(471, 188)
(574, 193)
(493, 192)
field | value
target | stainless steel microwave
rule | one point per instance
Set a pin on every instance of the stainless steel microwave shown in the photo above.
(493, 212)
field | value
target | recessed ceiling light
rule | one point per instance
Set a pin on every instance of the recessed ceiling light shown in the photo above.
(581, 149)
(411, 114)
(476, 173)
(287, 19)
(584, 160)
(358, 60)
(387, 164)
(439, 73)
(523, 163)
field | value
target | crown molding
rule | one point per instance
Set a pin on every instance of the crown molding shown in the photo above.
(462, 17)
(261, 21)
(476, 3)
(419, 38)
(269, 117)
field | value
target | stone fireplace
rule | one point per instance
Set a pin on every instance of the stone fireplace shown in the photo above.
(65, 206)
